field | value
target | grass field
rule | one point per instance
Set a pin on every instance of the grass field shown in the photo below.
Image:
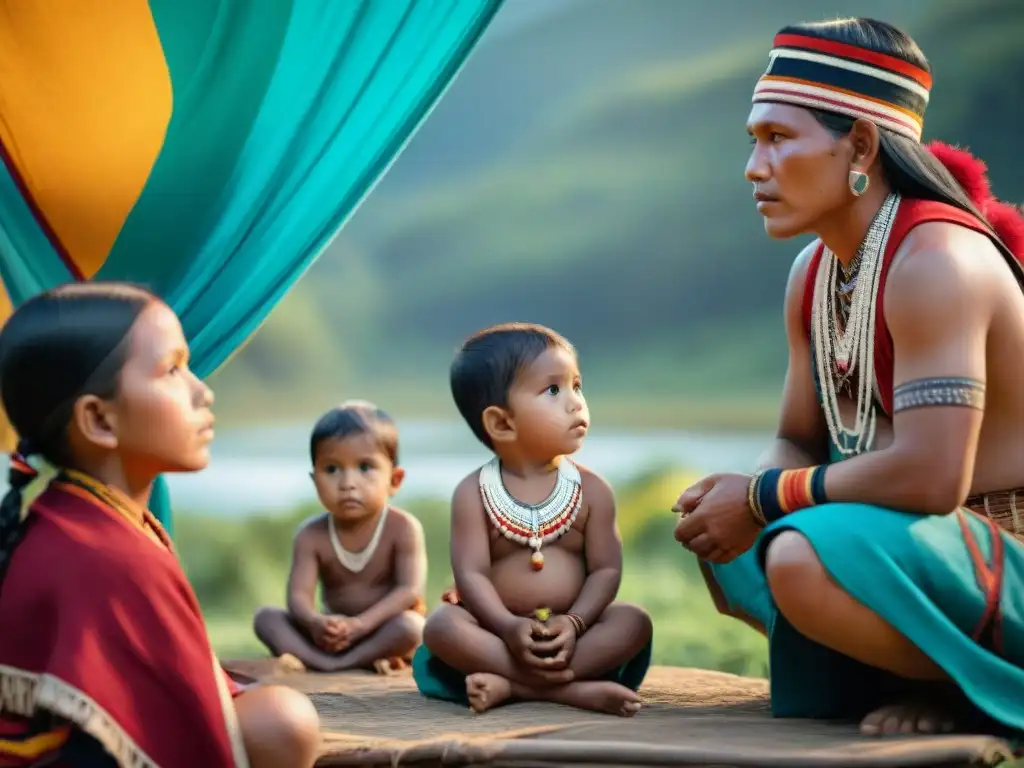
(238, 565)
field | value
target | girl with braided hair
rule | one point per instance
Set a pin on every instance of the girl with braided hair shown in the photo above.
(104, 657)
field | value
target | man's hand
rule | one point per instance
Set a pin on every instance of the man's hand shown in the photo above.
(717, 524)
(558, 642)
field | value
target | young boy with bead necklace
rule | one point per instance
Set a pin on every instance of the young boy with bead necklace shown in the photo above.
(535, 547)
(368, 556)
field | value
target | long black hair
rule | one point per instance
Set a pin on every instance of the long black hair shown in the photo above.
(56, 347)
(910, 169)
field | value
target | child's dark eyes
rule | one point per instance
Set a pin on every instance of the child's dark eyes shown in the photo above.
(553, 389)
(364, 466)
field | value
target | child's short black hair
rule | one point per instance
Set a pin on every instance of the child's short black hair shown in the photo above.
(356, 417)
(487, 365)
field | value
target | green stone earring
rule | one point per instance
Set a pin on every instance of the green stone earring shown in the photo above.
(859, 183)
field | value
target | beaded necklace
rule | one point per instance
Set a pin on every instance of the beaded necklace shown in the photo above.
(840, 352)
(532, 524)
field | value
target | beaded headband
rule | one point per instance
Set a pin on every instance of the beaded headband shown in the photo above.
(838, 77)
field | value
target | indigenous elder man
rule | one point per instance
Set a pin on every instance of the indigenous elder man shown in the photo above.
(876, 544)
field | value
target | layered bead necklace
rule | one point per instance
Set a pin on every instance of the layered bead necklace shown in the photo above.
(842, 353)
(532, 524)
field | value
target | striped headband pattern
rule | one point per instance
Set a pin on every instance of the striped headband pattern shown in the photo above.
(846, 79)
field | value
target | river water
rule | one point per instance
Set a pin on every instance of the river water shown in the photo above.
(266, 469)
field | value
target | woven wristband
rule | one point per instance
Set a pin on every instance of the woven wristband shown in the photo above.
(781, 491)
(753, 498)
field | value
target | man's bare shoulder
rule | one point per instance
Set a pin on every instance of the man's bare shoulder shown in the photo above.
(952, 251)
(942, 285)
(940, 259)
(802, 263)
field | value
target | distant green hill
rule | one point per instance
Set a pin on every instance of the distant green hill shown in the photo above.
(620, 215)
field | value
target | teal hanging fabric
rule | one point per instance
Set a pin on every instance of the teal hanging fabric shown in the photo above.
(219, 144)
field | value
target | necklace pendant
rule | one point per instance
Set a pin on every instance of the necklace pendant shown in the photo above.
(842, 366)
(532, 524)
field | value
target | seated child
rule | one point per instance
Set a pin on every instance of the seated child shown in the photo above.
(535, 547)
(368, 556)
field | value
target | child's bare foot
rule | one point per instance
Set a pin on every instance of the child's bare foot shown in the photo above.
(388, 667)
(907, 717)
(286, 663)
(486, 691)
(603, 696)
(595, 695)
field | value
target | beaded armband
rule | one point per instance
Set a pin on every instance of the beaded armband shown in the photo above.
(921, 393)
(773, 493)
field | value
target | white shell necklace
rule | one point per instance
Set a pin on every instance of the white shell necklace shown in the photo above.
(532, 524)
(840, 353)
(356, 561)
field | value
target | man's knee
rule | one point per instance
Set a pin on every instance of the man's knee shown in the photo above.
(796, 577)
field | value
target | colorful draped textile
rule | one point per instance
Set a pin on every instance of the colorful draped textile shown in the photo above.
(209, 149)
(124, 661)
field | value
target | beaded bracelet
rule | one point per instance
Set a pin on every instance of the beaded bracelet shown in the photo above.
(781, 491)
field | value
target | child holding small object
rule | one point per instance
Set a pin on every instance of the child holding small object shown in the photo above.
(535, 547)
(368, 556)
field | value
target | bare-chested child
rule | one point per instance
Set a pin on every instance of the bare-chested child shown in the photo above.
(367, 556)
(535, 547)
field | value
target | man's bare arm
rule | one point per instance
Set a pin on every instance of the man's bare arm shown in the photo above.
(603, 549)
(801, 439)
(410, 575)
(303, 578)
(938, 308)
(471, 559)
